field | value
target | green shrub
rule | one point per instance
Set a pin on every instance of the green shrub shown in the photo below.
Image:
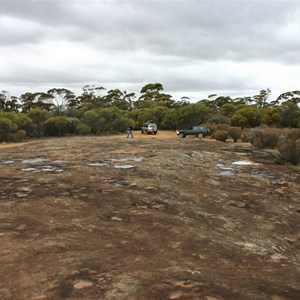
(221, 135)
(23, 122)
(6, 128)
(58, 126)
(218, 119)
(38, 117)
(246, 117)
(289, 150)
(121, 124)
(83, 129)
(74, 122)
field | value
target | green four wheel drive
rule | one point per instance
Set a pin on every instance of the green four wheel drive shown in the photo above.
(199, 131)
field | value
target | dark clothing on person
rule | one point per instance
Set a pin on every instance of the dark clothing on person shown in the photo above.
(129, 132)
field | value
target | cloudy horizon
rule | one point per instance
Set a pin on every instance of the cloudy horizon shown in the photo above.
(193, 48)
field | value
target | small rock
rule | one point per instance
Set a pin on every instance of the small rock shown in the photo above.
(21, 227)
(82, 284)
(24, 189)
(277, 257)
(116, 219)
(39, 297)
(20, 195)
(181, 294)
(184, 284)
(276, 297)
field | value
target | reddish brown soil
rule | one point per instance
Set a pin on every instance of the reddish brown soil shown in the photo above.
(182, 223)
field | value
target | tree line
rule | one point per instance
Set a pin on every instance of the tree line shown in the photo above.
(58, 111)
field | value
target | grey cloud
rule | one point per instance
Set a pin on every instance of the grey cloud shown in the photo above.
(134, 42)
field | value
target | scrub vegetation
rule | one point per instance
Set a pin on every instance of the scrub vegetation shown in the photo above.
(58, 112)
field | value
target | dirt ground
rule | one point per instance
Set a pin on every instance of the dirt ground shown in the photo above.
(153, 217)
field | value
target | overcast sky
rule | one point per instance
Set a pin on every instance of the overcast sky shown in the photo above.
(194, 48)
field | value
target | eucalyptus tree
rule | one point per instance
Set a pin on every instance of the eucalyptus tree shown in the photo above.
(60, 98)
(7, 126)
(129, 97)
(35, 101)
(243, 100)
(290, 114)
(116, 98)
(8, 103)
(261, 100)
(182, 102)
(193, 114)
(293, 97)
(228, 109)
(272, 116)
(38, 117)
(248, 116)
(4, 96)
(152, 92)
(92, 97)
(95, 91)
(222, 100)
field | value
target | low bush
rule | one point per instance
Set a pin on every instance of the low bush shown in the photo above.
(294, 134)
(83, 129)
(58, 126)
(248, 136)
(6, 128)
(262, 137)
(269, 138)
(235, 133)
(220, 135)
(289, 150)
(19, 136)
(213, 127)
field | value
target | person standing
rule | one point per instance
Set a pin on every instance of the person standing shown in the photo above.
(129, 132)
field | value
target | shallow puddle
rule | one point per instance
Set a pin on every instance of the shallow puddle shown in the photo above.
(266, 175)
(30, 170)
(114, 181)
(34, 160)
(98, 164)
(44, 169)
(137, 159)
(124, 166)
(6, 162)
(227, 173)
(129, 166)
(244, 163)
(224, 167)
(59, 161)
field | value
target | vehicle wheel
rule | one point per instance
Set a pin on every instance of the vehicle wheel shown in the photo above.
(142, 131)
(200, 135)
(155, 132)
(181, 135)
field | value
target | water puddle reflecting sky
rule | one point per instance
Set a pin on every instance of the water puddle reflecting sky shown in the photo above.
(34, 160)
(6, 162)
(244, 163)
(98, 164)
(124, 166)
(136, 159)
